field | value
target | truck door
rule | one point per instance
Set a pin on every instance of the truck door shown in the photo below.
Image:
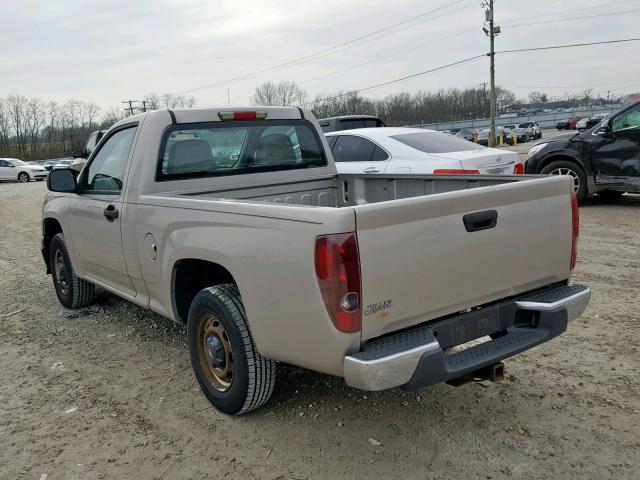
(96, 213)
(616, 155)
(356, 154)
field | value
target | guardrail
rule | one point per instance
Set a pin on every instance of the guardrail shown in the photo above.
(544, 120)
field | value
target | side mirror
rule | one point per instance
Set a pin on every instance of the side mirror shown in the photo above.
(62, 180)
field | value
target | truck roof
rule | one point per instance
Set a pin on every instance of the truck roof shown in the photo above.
(210, 114)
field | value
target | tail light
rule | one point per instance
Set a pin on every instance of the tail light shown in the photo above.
(518, 169)
(453, 171)
(244, 115)
(338, 271)
(575, 229)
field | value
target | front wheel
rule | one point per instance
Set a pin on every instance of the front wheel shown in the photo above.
(23, 177)
(73, 292)
(234, 377)
(575, 171)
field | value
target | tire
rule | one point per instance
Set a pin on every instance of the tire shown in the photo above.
(73, 292)
(23, 177)
(233, 376)
(565, 167)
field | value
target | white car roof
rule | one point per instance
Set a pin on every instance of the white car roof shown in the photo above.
(379, 132)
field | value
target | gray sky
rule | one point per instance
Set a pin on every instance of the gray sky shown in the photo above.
(123, 49)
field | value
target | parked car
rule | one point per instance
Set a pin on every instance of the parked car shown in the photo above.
(582, 123)
(573, 123)
(268, 255)
(17, 170)
(563, 125)
(81, 157)
(62, 163)
(467, 133)
(532, 129)
(416, 151)
(597, 119)
(604, 159)
(349, 122)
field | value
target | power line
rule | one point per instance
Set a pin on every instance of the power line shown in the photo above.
(571, 10)
(555, 47)
(406, 50)
(408, 77)
(558, 20)
(328, 51)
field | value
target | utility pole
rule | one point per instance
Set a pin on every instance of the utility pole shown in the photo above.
(130, 109)
(228, 98)
(492, 32)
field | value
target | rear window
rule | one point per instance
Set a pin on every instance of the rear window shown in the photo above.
(234, 148)
(434, 142)
(350, 124)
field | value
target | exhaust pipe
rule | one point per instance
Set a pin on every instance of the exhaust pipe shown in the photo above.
(494, 373)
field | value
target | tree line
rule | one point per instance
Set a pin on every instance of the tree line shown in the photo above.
(396, 110)
(33, 129)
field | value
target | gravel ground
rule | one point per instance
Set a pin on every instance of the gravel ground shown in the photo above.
(108, 392)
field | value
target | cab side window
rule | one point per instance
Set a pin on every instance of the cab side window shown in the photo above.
(106, 171)
(627, 121)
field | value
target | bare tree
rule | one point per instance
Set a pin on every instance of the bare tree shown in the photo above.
(152, 101)
(283, 93)
(35, 113)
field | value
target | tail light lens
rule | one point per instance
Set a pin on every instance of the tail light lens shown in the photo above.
(575, 229)
(243, 115)
(338, 271)
(518, 169)
(453, 171)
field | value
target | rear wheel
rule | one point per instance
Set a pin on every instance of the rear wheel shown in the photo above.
(23, 177)
(575, 171)
(73, 292)
(234, 377)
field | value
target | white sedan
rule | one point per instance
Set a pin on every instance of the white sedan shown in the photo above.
(17, 170)
(416, 151)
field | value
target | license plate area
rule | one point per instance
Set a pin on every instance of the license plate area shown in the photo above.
(468, 326)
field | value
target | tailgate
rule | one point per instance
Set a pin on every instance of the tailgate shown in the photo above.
(420, 262)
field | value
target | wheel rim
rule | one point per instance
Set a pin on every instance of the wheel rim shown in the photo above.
(571, 173)
(23, 177)
(215, 353)
(61, 273)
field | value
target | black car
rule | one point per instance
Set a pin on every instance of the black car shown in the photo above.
(349, 122)
(604, 159)
(563, 125)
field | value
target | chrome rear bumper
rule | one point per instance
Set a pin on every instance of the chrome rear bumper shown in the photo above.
(416, 358)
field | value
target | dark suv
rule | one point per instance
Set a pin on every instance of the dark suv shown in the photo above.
(349, 122)
(604, 159)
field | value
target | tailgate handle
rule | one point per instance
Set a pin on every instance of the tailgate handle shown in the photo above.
(474, 222)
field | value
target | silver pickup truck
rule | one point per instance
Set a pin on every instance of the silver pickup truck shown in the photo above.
(235, 223)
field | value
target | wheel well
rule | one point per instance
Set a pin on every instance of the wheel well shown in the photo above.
(557, 158)
(50, 228)
(189, 277)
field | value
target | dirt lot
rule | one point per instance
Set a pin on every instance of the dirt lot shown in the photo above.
(107, 392)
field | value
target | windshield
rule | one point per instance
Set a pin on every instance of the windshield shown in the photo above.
(434, 142)
(233, 148)
(15, 161)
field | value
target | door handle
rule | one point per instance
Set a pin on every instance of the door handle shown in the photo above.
(371, 170)
(474, 222)
(111, 212)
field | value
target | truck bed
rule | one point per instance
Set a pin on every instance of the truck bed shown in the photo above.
(351, 190)
(415, 250)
